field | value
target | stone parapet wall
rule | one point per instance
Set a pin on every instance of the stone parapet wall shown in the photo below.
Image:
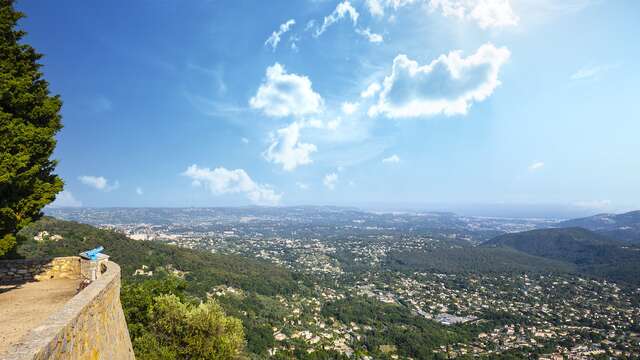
(37, 269)
(90, 326)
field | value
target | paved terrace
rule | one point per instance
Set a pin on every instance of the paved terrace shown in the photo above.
(26, 306)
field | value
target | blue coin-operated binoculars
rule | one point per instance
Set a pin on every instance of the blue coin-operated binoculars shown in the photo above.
(92, 254)
(92, 265)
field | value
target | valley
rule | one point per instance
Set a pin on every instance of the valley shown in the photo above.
(343, 283)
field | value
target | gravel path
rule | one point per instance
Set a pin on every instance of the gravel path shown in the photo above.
(26, 306)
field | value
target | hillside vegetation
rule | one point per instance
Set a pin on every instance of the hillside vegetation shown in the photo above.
(624, 226)
(196, 330)
(201, 268)
(471, 259)
(590, 252)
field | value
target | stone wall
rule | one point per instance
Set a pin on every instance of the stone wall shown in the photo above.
(90, 326)
(26, 270)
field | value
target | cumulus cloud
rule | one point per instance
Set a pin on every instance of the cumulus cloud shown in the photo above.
(349, 107)
(66, 199)
(324, 125)
(343, 9)
(371, 90)
(393, 159)
(222, 181)
(274, 39)
(302, 186)
(376, 7)
(244, 140)
(536, 166)
(330, 181)
(286, 148)
(372, 37)
(448, 85)
(486, 13)
(98, 182)
(334, 124)
(284, 94)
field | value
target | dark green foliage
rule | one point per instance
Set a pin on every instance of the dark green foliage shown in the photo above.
(474, 260)
(204, 269)
(29, 120)
(590, 252)
(616, 226)
(196, 331)
(164, 323)
(257, 313)
(137, 299)
(413, 335)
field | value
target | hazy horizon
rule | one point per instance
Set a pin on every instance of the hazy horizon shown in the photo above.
(516, 211)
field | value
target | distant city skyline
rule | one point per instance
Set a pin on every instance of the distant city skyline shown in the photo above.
(489, 108)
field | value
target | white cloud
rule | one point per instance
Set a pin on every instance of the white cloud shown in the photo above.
(538, 165)
(294, 39)
(393, 4)
(310, 24)
(393, 159)
(448, 85)
(302, 186)
(371, 90)
(244, 140)
(322, 125)
(222, 181)
(286, 148)
(98, 182)
(330, 181)
(334, 124)
(376, 7)
(590, 72)
(349, 107)
(486, 13)
(343, 9)
(66, 199)
(274, 39)
(139, 190)
(283, 94)
(372, 37)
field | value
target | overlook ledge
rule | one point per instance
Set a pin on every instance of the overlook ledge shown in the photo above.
(87, 325)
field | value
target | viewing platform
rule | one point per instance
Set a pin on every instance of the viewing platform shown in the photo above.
(26, 306)
(62, 308)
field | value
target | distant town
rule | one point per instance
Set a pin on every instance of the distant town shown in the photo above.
(347, 253)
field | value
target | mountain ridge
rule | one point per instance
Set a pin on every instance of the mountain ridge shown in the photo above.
(592, 252)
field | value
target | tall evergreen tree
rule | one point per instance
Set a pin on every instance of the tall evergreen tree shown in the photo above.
(29, 120)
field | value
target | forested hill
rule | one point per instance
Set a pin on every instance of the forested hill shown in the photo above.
(203, 269)
(591, 252)
(617, 226)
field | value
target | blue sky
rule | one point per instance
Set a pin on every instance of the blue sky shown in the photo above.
(368, 102)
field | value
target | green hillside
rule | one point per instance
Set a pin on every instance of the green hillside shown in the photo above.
(471, 259)
(624, 226)
(203, 270)
(590, 252)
